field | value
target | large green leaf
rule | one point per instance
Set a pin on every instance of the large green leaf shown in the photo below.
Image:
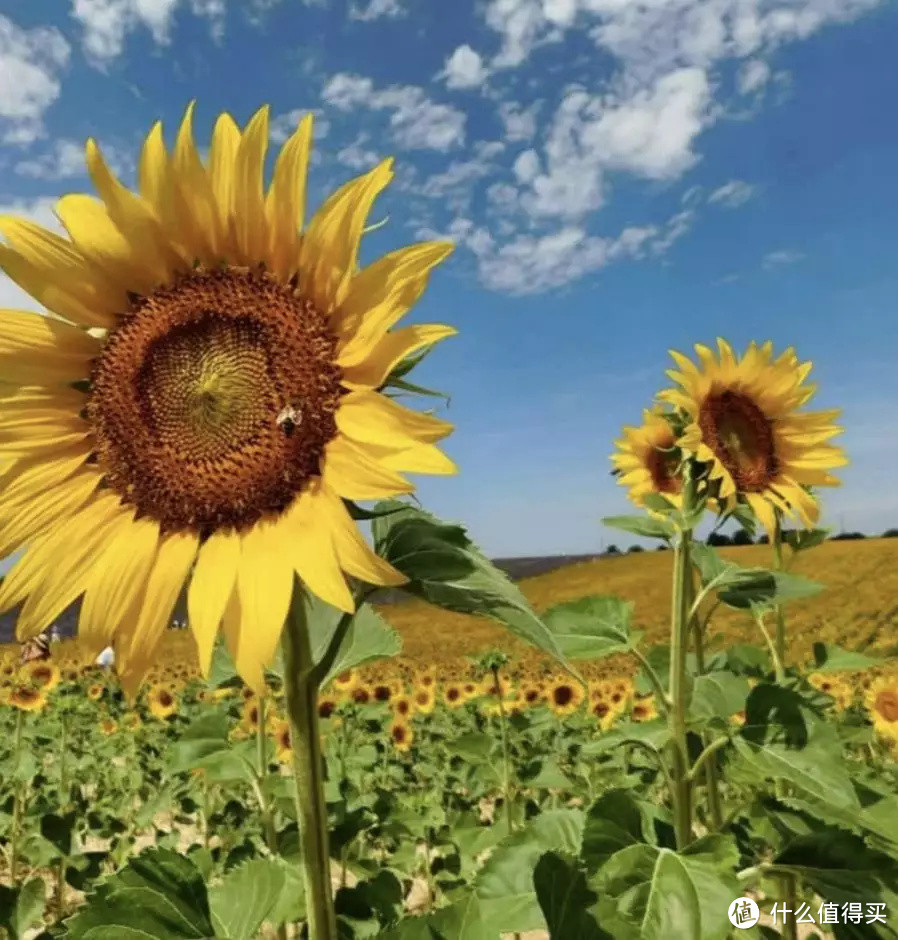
(817, 770)
(158, 894)
(360, 637)
(246, 898)
(612, 823)
(651, 893)
(717, 694)
(505, 883)
(205, 744)
(565, 900)
(776, 710)
(646, 526)
(592, 627)
(22, 907)
(446, 569)
(830, 658)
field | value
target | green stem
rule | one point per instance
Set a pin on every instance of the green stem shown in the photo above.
(308, 770)
(17, 800)
(780, 617)
(63, 805)
(790, 901)
(679, 625)
(778, 669)
(655, 680)
(506, 765)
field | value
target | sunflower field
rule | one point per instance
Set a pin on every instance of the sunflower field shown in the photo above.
(207, 407)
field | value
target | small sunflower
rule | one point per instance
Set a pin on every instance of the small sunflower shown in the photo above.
(744, 420)
(204, 398)
(424, 699)
(564, 697)
(647, 458)
(401, 735)
(533, 693)
(453, 694)
(131, 721)
(108, 726)
(403, 707)
(27, 698)
(327, 705)
(644, 708)
(360, 694)
(162, 702)
(882, 705)
(346, 681)
(283, 746)
(42, 673)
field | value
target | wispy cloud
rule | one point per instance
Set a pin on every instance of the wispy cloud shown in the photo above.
(780, 258)
(733, 194)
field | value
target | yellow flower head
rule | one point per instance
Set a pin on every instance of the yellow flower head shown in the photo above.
(205, 397)
(647, 459)
(108, 726)
(564, 696)
(162, 702)
(644, 708)
(744, 419)
(27, 698)
(882, 706)
(95, 691)
(401, 735)
(42, 673)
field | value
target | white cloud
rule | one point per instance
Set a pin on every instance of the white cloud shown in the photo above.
(66, 159)
(733, 194)
(527, 166)
(753, 76)
(464, 69)
(417, 122)
(781, 258)
(282, 126)
(357, 156)
(519, 122)
(30, 63)
(377, 9)
(106, 23)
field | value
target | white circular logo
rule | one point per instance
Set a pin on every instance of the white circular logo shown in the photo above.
(743, 913)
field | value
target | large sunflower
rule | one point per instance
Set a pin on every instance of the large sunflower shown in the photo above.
(647, 458)
(202, 397)
(744, 420)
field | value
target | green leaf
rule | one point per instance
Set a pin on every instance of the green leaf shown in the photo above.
(651, 893)
(592, 627)
(565, 900)
(246, 898)
(657, 502)
(158, 894)
(768, 704)
(653, 734)
(817, 770)
(366, 636)
(222, 672)
(58, 830)
(446, 569)
(474, 746)
(758, 588)
(717, 695)
(800, 540)
(830, 658)
(204, 743)
(642, 525)
(22, 907)
(614, 822)
(709, 563)
(840, 867)
(505, 883)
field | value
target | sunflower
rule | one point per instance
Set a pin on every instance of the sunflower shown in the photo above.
(327, 705)
(384, 691)
(644, 708)
(346, 681)
(204, 397)
(424, 698)
(403, 707)
(647, 458)
(743, 419)
(161, 702)
(108, 726)
(42, 673)
(533, 693)
(401, 735)
(882, 704)
(564, 697)
(27, 698)
(131, 721)
(283, 746)
(361, 694)
(453, 694)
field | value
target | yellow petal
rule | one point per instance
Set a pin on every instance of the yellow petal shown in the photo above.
(29, 517)
(370, 417)
(330, 247)
(194, 197)
(94, 234)
(36, 350)
(354, 554)
(309, 545)
(222, 162)
(381, 294)
(136, 645)
(422, 458)
(264, 587)
(249, 199)
(373, 370)
(58, 560)
(348, 469)
(214, 576)
(117, 582)
(285, 204)
(135, 219)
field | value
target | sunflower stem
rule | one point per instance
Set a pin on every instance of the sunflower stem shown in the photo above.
(506, 766)
(301, 690)
(780, 616)
(17, 801)
(679, 635)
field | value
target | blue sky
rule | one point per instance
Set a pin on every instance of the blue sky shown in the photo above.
(620, 179)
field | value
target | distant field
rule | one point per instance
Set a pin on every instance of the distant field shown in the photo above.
(859, 609)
